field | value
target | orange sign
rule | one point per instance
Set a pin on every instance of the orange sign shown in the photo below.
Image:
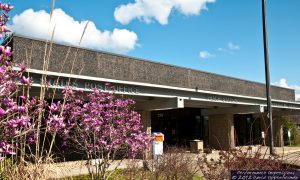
(159, 137)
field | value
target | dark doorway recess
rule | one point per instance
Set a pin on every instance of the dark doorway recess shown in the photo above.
(247, 130)
(180, 125)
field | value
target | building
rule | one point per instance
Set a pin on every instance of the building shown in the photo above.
(184, 104)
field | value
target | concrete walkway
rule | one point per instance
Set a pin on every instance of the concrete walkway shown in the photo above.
(75, 168)
(289, 154)
(278, 150)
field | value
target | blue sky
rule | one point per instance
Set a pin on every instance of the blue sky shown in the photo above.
(219, 36)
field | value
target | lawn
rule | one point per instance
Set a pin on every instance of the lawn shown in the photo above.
(125, 175)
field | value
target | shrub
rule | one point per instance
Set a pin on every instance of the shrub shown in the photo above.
(239, 159)
(289, 125)
(174, 164)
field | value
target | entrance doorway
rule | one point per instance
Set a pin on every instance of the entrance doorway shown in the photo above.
(247, 130)
(180, 125)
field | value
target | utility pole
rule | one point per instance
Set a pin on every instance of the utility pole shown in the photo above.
(267, 72)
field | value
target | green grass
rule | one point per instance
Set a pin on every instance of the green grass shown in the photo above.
(294, 145)
(122, 175)
(198, 178)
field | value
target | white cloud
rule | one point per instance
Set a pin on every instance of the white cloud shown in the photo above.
(206, 55)
(224, 50)
(233, 46)
(159, 10)
(298, 97)
(68, 30)
(283, 83)
(297, 90)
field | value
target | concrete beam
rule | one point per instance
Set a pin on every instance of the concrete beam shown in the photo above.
(286, 112)
(233, 110)
(146, 120)
(161, 104)
(278, 112)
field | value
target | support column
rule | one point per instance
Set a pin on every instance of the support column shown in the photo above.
(146, 120)
(278, 132)
(221, 131)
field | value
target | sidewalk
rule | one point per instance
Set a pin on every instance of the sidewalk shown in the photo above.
(289, 154)
(278, 150)
(76, 168)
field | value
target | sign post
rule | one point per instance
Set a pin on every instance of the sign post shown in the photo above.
(267, 73)
(157, 144)
(289, 135)
(263, 136)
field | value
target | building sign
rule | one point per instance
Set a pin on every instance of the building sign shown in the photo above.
(60, 82)
(89, 85)
(104, 87)
(218, 98)
(280, 104)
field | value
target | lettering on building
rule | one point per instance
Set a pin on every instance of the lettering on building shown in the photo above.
(61, 82)
(278, 104)
(89, 85)
(221, 98)
(115, 87)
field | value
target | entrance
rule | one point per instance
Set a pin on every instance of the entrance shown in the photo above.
(180, 125)
(247, 130)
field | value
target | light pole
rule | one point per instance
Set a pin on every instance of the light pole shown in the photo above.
(267, 72)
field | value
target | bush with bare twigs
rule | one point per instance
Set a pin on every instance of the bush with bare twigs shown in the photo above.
(239, 159)
(174, 164)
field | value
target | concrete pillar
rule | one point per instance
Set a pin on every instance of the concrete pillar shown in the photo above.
(221, 131)
(146, 120)
(278, 132)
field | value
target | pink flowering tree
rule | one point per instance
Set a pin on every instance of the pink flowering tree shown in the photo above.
(20, 114)
(17, 110)
(101, 126)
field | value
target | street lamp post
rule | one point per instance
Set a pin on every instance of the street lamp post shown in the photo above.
(267, 72)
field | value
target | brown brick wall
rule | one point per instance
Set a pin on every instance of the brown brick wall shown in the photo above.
(114, 66)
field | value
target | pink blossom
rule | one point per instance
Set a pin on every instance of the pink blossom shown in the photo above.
(24, 121)
(5, 50)
(26, 81)
(22, 97)
(2, 112)
(15, 115)
(54, 107)
(22, 67)
(56, 123)
(109, 121)
(7, 148)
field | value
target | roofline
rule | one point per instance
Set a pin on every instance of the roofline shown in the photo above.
(146, 60)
